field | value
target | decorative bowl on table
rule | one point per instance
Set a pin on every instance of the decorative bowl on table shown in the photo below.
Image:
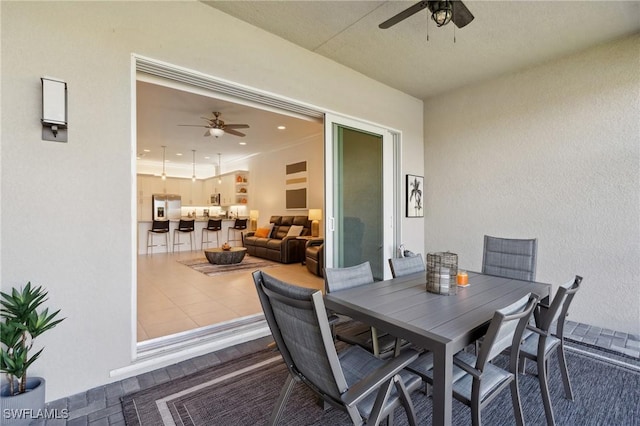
(226, 246)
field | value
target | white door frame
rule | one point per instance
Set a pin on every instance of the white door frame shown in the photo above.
(390, 148)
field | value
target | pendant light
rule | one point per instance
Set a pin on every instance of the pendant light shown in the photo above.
(193, 177)
(164, 151)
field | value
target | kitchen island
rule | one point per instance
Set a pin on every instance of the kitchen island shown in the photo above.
(200, 222)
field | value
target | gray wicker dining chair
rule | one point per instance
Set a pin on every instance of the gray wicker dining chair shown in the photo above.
(380, 344)
(477, 381)
(367, 388)
(510, 257)
(539, 342)
(401, 266)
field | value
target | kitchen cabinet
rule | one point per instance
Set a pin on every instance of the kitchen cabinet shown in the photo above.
(233, 190)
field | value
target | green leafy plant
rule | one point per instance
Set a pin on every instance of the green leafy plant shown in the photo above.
(21, 324)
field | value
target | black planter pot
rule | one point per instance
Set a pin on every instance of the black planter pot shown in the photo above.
(22, 409)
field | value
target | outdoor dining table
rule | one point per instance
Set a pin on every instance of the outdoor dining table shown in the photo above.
(442, 324)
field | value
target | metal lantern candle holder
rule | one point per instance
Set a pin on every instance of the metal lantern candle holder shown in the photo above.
(442, 269)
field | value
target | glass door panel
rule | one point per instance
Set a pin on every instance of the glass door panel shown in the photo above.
(360, 209)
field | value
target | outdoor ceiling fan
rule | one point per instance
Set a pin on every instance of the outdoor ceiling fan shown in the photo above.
(442, 12)
(217, 127)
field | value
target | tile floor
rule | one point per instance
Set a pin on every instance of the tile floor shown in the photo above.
(173, 297)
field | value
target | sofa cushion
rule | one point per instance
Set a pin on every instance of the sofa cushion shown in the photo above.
(273, 244)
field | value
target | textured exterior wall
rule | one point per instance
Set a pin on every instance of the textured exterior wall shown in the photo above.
(552, 152)
(67, 209)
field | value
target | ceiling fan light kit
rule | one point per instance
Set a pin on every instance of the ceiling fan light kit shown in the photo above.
(442, 12)
(218, 128)
(215, 132)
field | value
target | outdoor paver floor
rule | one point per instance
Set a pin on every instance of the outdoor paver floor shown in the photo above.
(101, 406)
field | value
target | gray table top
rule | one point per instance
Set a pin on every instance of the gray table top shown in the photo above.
(404, 308)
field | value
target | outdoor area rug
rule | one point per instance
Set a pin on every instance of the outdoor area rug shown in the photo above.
(249, 263)
(244, 391)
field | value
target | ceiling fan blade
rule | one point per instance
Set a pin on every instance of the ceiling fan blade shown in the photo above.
(403, 15)
(192, 125)
(234, 132)
(461, 15)
(236, 126)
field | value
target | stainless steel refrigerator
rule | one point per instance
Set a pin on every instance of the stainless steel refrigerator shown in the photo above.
(166, 206)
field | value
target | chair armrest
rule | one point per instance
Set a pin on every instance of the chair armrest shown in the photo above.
(315, 242)
(537, 330)
(250, 234)
(469, 369)
(373, 381)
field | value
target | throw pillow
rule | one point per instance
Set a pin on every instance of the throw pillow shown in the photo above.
(295, 231)
(262, 232)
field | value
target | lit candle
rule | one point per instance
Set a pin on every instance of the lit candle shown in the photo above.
(463, 278)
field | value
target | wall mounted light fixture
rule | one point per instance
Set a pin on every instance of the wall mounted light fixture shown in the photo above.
(54, 109)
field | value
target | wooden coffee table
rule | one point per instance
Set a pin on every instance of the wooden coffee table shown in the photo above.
(217, 256)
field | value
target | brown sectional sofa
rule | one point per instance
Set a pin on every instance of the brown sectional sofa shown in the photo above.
(278, 246)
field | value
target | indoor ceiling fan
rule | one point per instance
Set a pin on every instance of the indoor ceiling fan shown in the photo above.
(442, 12)
(217, 127)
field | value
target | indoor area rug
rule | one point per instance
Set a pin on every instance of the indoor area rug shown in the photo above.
(244, 391)
(249, 263)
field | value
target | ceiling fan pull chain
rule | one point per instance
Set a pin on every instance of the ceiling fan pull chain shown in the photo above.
(427, 29)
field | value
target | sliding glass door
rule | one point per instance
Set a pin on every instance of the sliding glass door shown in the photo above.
(360, 207)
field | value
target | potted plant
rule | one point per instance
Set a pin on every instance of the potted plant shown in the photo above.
(22, 322)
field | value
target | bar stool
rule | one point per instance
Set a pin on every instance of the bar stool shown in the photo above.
(215, 226)
(158, 227)
(238, 226)
(184, 226)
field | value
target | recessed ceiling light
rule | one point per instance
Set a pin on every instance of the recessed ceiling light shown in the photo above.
(281, 127)
(242, 143)
(179, 154)
(206, 158)
(146, 150)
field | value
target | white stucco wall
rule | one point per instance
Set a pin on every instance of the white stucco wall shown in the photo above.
(552, 152)
(67, 218)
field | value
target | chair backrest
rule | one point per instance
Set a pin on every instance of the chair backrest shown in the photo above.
(337, 279)
(298, 321)
(560, 305)
(186, 225)
(240, 224)
(214, 225)
(401, 266)
(505, 330)
(510, 257)
(160, 225)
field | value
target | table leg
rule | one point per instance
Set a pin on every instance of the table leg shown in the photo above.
(442, 385)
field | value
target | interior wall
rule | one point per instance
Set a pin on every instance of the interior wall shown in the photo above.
(68, 220)
(267, 189)
(552, 153)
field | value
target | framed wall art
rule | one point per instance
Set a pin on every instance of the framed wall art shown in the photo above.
(296, 186)
(414, 188)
